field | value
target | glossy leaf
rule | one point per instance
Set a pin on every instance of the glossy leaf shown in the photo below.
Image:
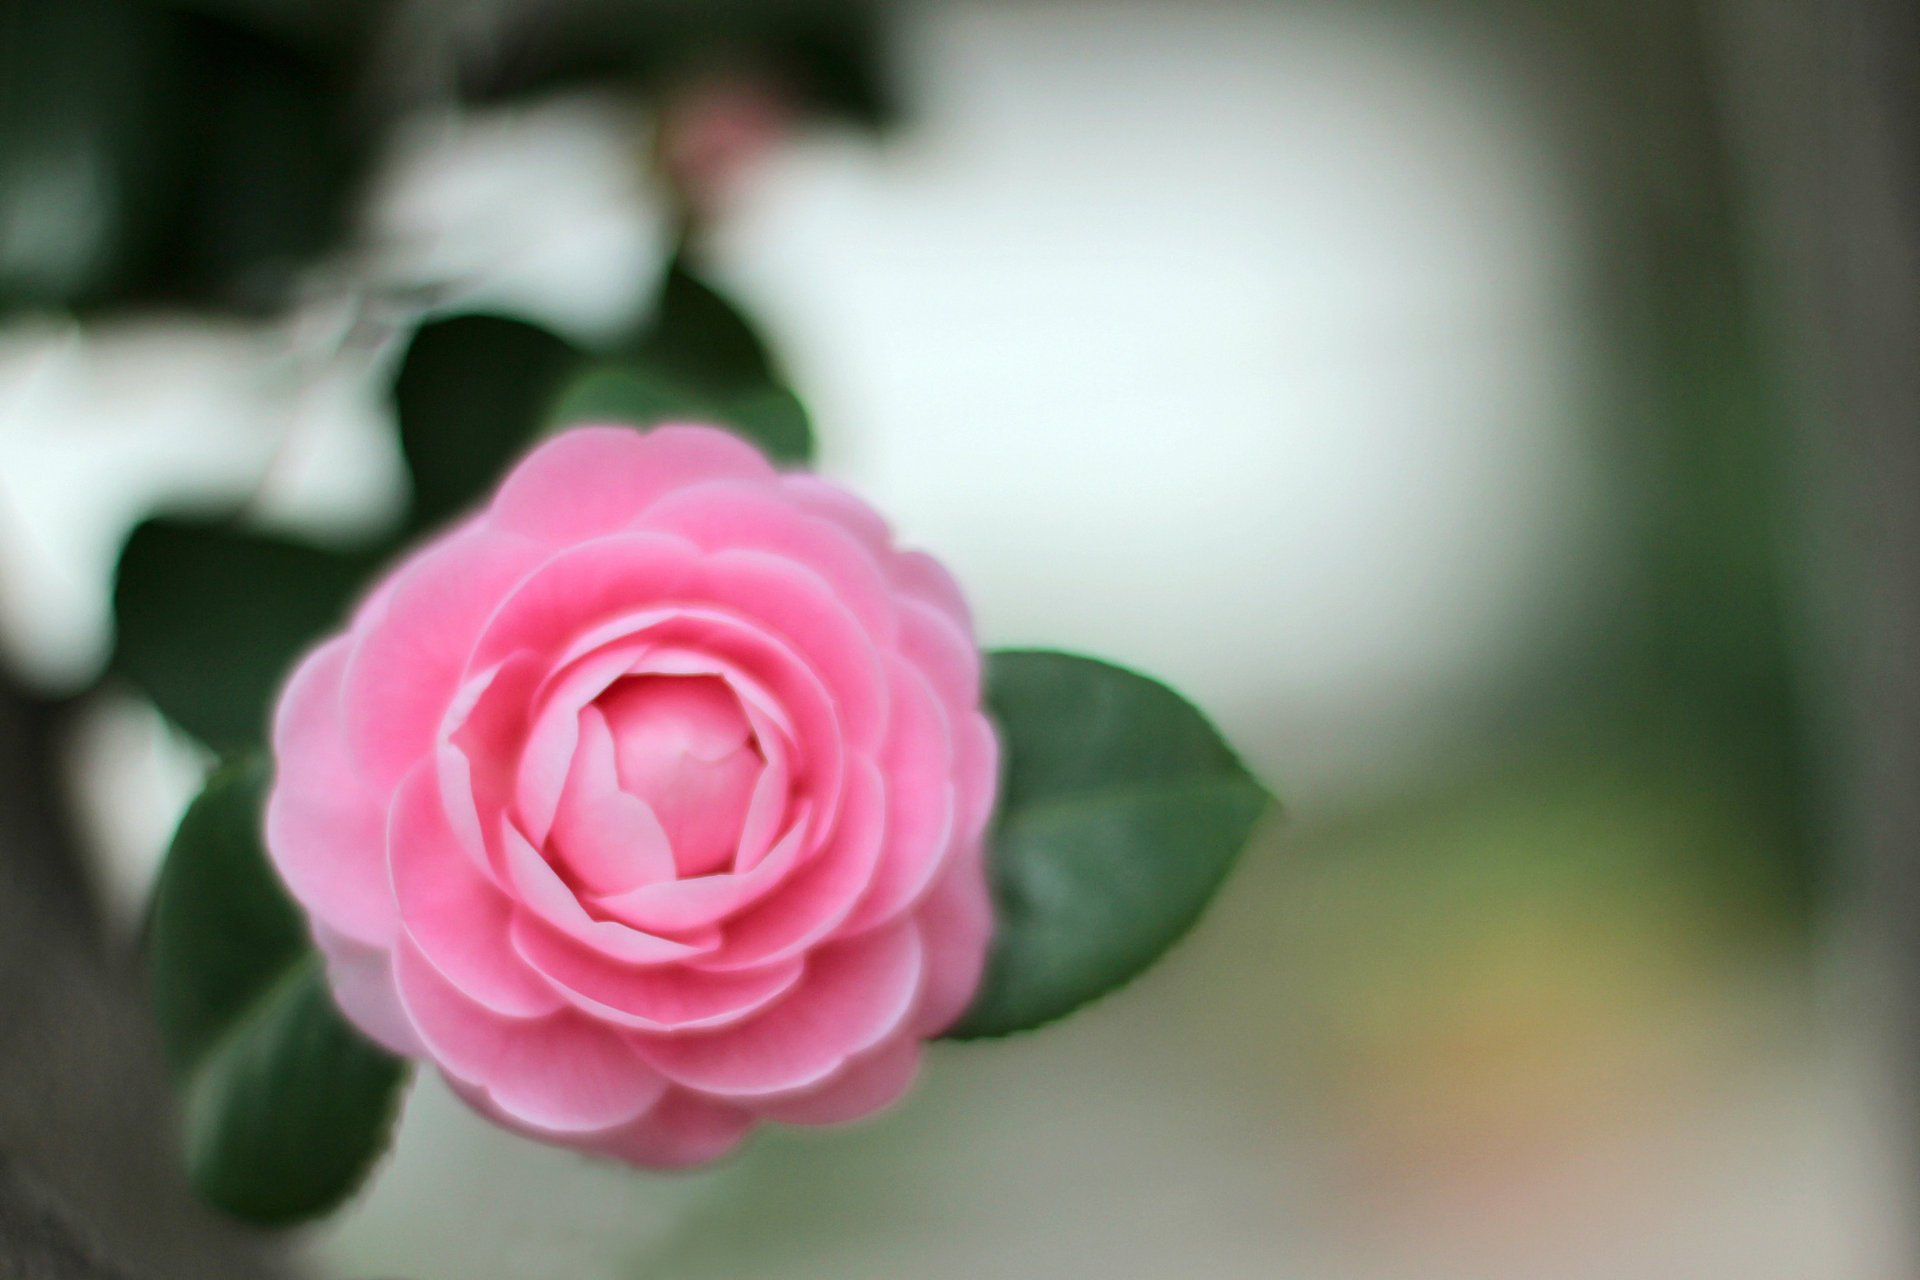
(472, 393)
(1122, 812)
(209, 617)
(287, 1106)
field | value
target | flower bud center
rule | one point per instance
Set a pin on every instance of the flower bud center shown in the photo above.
(684, 746)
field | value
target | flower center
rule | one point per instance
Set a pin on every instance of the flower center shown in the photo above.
(684, 746)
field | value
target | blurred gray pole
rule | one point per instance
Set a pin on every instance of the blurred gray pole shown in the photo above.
(1829, 92)
(91, 1185)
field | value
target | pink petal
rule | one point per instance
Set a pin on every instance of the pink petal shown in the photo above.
(872, 1082)
(542, 893)
(585, 586)
(976, 774)
(918, 765)
(361, 979)
(797, 605)
(410, 658)
(842, 506)
(563, 1073)
(853, 996)
(610, 841)
(594, 480)
(943, 651)
(663, 999)
(483, 741)
(919, 575)
(956, 926)
(718, 517)
(454, 914)
(326, 834)
(818, 896)
(683, 1130)
(675, 906)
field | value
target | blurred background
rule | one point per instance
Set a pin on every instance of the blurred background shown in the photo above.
(1500, 417)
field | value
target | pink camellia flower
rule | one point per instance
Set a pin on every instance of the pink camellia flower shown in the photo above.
(647, 803)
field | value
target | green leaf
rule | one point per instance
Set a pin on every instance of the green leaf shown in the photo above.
(287, 1106)
(84, 152)
(701, 338)
(209, 617)
(1122, 812)
(472, 394)
(773, 418)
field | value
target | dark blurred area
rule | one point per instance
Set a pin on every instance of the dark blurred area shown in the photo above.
(1505, 418)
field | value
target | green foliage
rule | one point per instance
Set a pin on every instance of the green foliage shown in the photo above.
(153, 154)
(773, 418)
(209, 618)
(828, 54)
(287, 1106)
(470, 394)
(698, 337)
(1122, 812)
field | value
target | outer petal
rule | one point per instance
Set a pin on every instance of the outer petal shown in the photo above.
(454, 914)
(854, 996)
(956, 925)
(682, 1130)
(361, 979)
(716, 517)
(410, 657)
(563, 1073)
(325, 832)
(582, 585)
(594, 480)
(918, 766)
(872, 1082)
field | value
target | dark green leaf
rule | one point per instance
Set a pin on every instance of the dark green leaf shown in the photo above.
(268, 163)
(1122, 812)
(773, 418)
(287, 1115)
(209, 618)
(286, 1105)
(627, 393)
(472, 393)
(83, 156)
(700, 338)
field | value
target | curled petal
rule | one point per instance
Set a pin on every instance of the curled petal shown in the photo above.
(541, 893)
(562, 1073)
(797, 605)
(454, 914)
(818, 896)
(854, 995)
(583, 586)
(410, 658)
(611, 841)
(664, 999)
